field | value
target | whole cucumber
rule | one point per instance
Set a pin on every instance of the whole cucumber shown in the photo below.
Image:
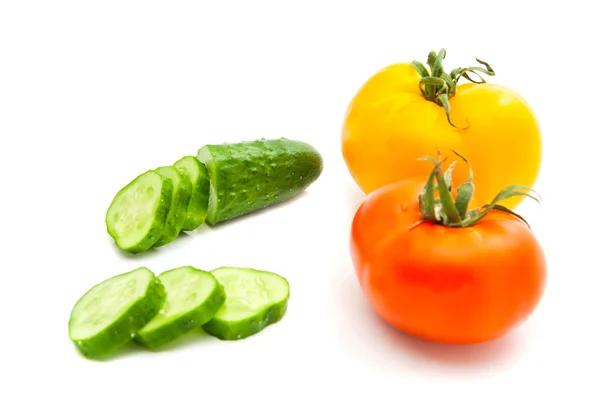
(248, 176)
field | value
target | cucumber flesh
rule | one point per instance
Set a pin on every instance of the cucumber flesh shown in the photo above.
(193, 298)
(248, 176)
(136, 217)
(255, 299)
(198, 175)
(110, 314)
(182, 193)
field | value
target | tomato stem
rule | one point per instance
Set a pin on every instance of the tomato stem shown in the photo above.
(438, 86)
(451, 212)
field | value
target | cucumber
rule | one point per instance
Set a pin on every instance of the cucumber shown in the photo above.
(193, 297)
(255, 299)
(197, 174)
(136, 217)
(248, 176)
(182, 193)
(110, 314)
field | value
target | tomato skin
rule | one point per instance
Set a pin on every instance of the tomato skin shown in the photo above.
(447, 285)
(389, 125)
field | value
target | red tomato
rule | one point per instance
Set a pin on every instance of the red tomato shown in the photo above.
(445, 284)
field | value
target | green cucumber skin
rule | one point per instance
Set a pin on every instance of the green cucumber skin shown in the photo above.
(184, 324)
(228, 331)
(160, 216)
(199, 201)
(124, 329)
(249, 176)
(178, 211)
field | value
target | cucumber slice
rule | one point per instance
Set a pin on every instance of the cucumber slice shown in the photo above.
(193, 298)
(255, 300)
(182, 193)
(197, 174)
(110, 314)
(248, 176)
(136, 217)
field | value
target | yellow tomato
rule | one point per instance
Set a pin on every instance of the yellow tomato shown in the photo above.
(390, 124)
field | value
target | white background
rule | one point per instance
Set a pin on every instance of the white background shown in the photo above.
(93, 93)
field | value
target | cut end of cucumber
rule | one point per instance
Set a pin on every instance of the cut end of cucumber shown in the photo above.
(205, 157)
(255, 300)
(137, 214)
(111, 312)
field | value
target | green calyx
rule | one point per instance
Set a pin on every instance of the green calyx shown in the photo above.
(438, 86)
(449, 212)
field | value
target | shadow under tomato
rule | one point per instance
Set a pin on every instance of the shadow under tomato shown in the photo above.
(371, 339)
(502, 351)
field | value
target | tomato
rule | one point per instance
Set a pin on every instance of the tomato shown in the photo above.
(390, 123)
(447, 284)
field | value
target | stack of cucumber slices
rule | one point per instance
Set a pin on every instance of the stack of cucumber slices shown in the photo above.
(229, 303)
(221, 183)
